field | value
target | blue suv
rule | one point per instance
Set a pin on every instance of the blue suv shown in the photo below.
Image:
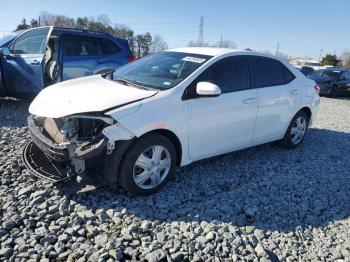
(33, 59)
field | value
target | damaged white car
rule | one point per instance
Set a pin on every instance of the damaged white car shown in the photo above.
(135, 125)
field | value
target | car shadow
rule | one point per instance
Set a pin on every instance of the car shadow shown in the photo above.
(267, 186)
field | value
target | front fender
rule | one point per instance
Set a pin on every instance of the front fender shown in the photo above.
(117, 132)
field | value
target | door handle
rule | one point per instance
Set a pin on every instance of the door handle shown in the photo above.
(294, 92)
(251, 100)
(100, 62)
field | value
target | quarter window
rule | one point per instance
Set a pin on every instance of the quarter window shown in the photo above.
(230, 74)
(107, 46)
(31, 42)
(270, 72)
(79, 46)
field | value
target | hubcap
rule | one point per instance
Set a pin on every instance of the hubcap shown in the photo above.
(298, 130)
(152, 167)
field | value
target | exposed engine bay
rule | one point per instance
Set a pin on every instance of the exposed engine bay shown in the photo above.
(76, 129)
(71, 140)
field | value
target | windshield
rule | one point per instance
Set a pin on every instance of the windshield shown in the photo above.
(317, 73)
(162, 70)
(332, 74)
(7, 38)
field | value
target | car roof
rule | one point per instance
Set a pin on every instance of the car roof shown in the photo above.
(212, 51)
(216, 51)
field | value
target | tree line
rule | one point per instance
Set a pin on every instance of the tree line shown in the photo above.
(140, 44)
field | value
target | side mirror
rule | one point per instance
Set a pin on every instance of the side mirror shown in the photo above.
(5, 51)
(207, 89)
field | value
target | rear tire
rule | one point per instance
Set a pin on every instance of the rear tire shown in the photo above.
(148, 165)
(296, 131)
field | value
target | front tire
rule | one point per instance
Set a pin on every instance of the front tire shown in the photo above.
(148, 165)
(334, 91)
(296, 131)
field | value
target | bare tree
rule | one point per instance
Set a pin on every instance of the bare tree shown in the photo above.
(197, 44)
(104, 20)
(284, 56)
(158, 44)
(345, 58)
(225, 44)
(48, 19)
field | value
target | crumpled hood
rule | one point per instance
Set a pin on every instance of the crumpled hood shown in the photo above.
(82, 95)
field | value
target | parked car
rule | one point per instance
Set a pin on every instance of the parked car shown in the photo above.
(33, 59)
(307, 70)
(332, 82)
(166, 110)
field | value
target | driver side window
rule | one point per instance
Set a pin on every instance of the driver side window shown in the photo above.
(231, 74)
(31, 42)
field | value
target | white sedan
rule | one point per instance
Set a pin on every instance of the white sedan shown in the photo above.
(134, 126)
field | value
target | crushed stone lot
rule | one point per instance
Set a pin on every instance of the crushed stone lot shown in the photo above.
(261, 204)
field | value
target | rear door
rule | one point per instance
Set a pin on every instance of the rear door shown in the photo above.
(279, 98)
(23, 68)
(80, 56)
(111, 56)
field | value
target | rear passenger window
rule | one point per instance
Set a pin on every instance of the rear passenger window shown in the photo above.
(288, 76)
(107, 46)
(270, 72)
(230, 74)
(79, 46)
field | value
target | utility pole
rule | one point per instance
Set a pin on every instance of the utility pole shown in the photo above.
(200, 31)
(39, 20)
(319, 59)
(221, 41)
(277, 48)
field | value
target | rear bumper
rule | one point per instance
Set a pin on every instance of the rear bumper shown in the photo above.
(64, 152)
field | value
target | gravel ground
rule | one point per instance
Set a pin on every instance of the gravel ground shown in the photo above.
(260, 204)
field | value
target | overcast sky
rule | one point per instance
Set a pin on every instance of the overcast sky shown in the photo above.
(301, 27)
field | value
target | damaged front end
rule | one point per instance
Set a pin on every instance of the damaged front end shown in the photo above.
(60, 147)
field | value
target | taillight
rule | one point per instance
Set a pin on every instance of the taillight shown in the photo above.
(317, 89)
(131, 59)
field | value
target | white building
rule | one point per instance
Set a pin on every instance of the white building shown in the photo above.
(299, 62)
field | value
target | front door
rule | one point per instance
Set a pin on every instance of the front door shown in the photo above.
(23, 68)
(226, 122)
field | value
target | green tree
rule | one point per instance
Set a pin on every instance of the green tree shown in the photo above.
(329, 60)
(23, 25)
(34, 23)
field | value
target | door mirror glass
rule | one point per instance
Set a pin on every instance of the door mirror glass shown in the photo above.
(207, 89)
(5, 51)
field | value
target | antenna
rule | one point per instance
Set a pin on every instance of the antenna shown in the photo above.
(200, 32)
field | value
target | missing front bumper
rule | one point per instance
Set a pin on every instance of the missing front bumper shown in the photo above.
(44, 167)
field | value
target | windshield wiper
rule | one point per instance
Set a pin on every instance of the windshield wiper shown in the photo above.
(134, 83)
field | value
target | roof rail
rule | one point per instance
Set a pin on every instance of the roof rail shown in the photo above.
(81, 30)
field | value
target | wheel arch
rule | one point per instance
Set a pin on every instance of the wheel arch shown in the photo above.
(173, 139)
(307, 111)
